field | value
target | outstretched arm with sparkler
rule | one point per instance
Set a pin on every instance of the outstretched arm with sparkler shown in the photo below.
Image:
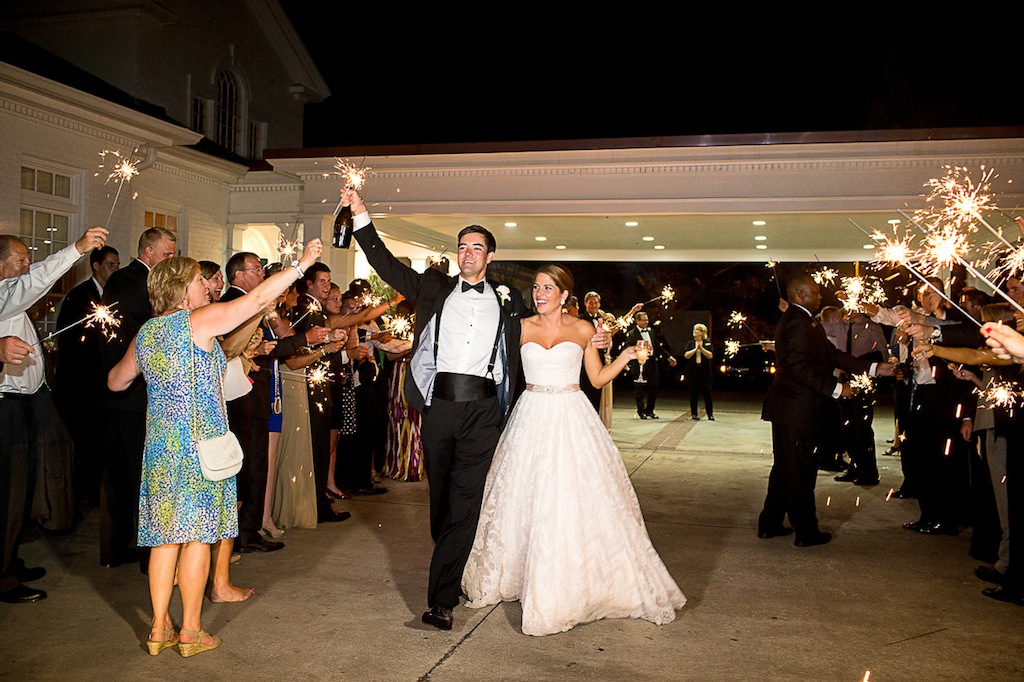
(1005, 342)
(13, 350)
(18, 294)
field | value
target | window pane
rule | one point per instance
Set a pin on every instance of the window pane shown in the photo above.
(172, 223)
(148, 221)
(159, 219)
(43, 221)
(62, 186)
(28, 178)
(60, 231)
(26, 223)
(44, 182)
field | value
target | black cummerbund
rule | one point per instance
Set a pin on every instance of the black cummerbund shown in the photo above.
(463, 388)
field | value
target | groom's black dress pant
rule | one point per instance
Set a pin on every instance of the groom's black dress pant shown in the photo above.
(458, 444)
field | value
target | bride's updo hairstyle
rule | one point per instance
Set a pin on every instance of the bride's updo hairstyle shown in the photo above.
(561, 277)
(168, 281)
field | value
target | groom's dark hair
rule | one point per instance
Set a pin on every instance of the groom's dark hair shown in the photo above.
(488, 237)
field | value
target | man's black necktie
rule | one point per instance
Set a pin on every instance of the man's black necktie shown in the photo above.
(479, 286)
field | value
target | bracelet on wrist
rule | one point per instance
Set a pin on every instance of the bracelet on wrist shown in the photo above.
(298, 269)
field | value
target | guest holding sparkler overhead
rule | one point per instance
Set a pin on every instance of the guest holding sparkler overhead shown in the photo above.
(796, 405)
(21, 383)
(125, 425)
(79, 370)
(698, 356)
(181, 512)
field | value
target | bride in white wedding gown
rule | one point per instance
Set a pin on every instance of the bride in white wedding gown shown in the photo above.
(560, 527)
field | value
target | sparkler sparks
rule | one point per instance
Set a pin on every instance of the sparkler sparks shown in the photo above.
(100, 318)
(737, 319)
(318, 375)
(354, 176)
(962, 200)
(942, 247)
(860, 291)
(1002, 394)
(667, 294)
(732, 347)
(287, 249)
(825, 276)
(400, 327)
(862, 383)
(122, 170)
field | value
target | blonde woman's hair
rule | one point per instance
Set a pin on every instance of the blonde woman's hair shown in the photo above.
(704, 328)
(168, 282)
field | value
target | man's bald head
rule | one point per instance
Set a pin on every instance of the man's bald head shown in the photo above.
(804, 291)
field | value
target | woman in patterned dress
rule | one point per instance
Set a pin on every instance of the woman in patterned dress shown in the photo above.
(181, 513)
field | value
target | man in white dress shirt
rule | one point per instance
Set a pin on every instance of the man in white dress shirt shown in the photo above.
(22, 283)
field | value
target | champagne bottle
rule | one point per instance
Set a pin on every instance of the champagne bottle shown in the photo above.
(343, 227)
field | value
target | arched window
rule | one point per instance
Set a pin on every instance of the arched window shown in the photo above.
(228, 110)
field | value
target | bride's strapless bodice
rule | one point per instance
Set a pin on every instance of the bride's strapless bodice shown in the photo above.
(555, 366)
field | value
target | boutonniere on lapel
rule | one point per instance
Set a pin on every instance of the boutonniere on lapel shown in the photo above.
(504, 295)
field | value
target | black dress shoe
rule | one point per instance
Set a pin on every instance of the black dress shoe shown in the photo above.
(333, 517)
(1004, 594)
(695, 417)
(651, 415)
(938, 528)
(849, 477)
(779, 532)
(439, 617)
(27, 575)
(372, 490)
(989, 574)
(915, 525)
(812, 540)
(259, 545)
(710, 418)
(641, 415)
(867, 480)
(22, 594)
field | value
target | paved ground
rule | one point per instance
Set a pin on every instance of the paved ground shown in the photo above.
(343, 602)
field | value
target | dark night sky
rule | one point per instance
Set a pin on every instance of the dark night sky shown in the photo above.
(620, 76)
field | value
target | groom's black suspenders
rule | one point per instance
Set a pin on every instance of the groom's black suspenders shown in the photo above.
(463, 388)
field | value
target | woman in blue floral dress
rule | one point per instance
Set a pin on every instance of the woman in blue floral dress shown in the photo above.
(181, 513)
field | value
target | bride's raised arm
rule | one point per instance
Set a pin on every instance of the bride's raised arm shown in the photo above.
(600, 373)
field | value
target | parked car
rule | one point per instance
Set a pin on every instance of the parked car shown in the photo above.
(751, 366)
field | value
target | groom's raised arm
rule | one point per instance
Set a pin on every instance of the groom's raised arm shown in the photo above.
(403, 278)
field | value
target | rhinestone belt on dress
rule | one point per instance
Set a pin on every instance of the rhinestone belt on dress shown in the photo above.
(540, 388)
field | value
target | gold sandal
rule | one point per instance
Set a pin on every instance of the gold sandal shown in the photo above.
(156, 647)
(197, 647)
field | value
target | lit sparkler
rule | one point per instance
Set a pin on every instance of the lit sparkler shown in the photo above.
(314, 307)
(860, 291)
(100, 318)
(826, 276)
(122, 170)
(738, 319)
(862, 383)
(400, 327)
(1002, 394)
(354, 177)
(775, 275)
(667, 294)
(732, 347)
(287, 249)
(318, 375)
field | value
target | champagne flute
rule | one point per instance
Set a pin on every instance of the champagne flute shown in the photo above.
(642, 350)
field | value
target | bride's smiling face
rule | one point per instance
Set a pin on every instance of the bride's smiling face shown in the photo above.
(546, 294)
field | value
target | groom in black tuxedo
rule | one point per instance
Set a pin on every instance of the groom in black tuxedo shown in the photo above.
(464, 369)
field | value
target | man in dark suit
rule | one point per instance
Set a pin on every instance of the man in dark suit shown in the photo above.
(591, 312)
(797, 405)
(463, 375)
(647, 391)
(79, 370)
(125, 433)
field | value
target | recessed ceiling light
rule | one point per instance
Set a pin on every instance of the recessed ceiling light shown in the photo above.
(658, 247)
(894, 221)
(560, 246)
(760, 238)
(761, 246)
(511, 224)
(648, 239)
(541, 239)
(631, 223)
(759, 223)
(871, 246)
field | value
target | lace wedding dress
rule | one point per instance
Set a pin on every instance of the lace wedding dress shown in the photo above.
(560, 527)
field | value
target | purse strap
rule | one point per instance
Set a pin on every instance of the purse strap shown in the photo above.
(193, 383)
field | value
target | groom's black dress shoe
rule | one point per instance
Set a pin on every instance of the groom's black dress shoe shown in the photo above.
(439, 617)
(812, 540)
(27, 575)
(22, 594)
(779, 532)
